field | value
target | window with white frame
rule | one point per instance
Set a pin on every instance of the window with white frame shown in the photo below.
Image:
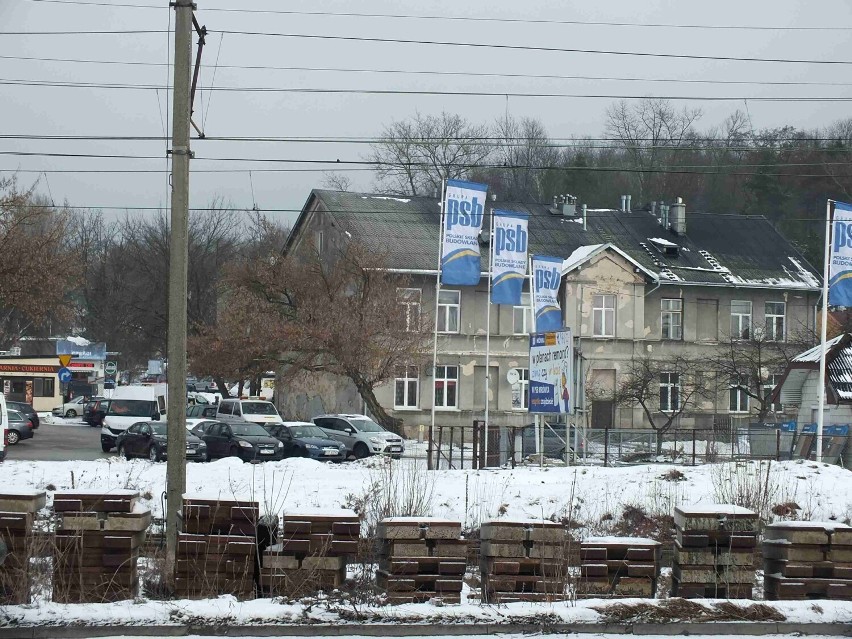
(522, 316)
(520, 390)
(406, 387)
(775, 313)
(669, 392)
(446, 386)
(409, 298)
(603, 316)
(737, 395)
(671, 311)
(740, 320)
(771, 382)
(449, 307)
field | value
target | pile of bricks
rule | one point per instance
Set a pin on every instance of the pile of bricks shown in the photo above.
(311, 553)
(807, 560)
(98, 537)
(523, 561)
(17, 511)
(217, 552)
(619, 567)
(421, 558)
(714, 552)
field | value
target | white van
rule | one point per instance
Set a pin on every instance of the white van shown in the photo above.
(256, 411)
(132, 404)
(4, 426)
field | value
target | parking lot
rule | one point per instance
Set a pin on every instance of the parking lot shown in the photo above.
(60, 442)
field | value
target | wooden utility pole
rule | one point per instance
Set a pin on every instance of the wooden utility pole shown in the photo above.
(178, 258)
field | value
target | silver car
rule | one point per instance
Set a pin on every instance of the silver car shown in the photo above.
(361, 435)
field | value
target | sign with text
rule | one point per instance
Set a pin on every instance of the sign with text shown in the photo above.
(464, 210)
(89, 351)
(551, 372)
(546, 278)
(508, 257)
(840, 264)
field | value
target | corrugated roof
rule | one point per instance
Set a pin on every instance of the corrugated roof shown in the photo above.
(716, 249)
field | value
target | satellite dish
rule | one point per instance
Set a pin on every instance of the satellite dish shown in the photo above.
(513, 376)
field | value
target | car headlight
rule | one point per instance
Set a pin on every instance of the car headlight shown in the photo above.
(280, 444)
(244, 444)
(341, 447)
(311, 447)
(375, 440)
(200, 446)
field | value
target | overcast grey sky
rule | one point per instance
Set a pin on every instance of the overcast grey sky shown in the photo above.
(123, 112)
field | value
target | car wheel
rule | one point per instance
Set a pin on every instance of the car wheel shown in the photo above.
(154, 454)
(71, 413)
(12, 437)
(122, 452)
(105, 447)
(361, 451)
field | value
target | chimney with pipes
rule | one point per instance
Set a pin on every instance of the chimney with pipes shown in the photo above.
(627, 208)
(677, 215)
(623, 203)
(569, 206)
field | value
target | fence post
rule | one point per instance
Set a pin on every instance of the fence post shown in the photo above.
(606, 445)
(452, 435)
(693, 447)
(461, 450)
(778, 445)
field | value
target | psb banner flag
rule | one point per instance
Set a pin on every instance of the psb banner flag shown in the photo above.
(840, 266)
(508, 257)
(546, 278)
(551, 372)
(464, 211)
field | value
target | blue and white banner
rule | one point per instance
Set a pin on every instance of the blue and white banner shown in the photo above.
(551, 372)
(546, 278)
(508, 257)
(464, 210)
(840, 264)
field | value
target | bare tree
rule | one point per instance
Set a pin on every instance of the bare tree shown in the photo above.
(663, 389)
(336, 181)
(527, 152)
(414, 156)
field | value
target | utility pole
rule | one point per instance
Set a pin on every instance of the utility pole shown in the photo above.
(178, 258)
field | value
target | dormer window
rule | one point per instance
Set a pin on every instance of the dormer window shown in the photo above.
(669, 249)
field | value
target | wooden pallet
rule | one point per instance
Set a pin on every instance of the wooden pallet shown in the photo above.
(777, 587)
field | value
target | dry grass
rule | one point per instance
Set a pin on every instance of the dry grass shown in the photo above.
(677, 609)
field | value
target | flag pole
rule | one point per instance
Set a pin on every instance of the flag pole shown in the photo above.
(435, 334)
(488, 336)
(539, 440)
(823, 332)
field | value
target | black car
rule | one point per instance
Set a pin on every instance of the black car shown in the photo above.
(26, 410)
(94, 411)
(201, 410)
(302, 439)
(150, 439)
(249, 442)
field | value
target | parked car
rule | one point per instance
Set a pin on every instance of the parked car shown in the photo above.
(71, 409)
(26, 410)
(554, 441)
(96, 408)
(19, 428)
(206, 385)
(303, 439)
(250, 410)
(245, 440)
(206, 411)
(361, 435)
(150, 439)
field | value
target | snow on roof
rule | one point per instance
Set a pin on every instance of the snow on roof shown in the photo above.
(385, 197)
(660, 241)
(813, 354)
(579, 256)
(621, 541)
(804, 273)
(308, 511)
(79, 341)
(828, 526)
(714, 509)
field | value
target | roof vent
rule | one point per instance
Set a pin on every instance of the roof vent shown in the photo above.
(669, 249)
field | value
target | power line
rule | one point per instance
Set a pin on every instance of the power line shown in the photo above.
(455, 18)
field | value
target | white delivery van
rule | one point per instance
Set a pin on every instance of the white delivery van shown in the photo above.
(132, 404)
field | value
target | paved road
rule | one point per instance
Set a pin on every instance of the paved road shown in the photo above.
(60, 442)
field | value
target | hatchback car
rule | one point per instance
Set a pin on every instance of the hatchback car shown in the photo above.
(361, 435)
(249, 442)
(19, 428)
(303, 439)
(150, 439)
(26, 410)
(72, 408)
(94, 412)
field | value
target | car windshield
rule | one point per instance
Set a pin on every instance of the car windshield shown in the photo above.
(159, 428)
(366, 425)
(259, 408)
(132, 408)
(253, 430)
(308, 430)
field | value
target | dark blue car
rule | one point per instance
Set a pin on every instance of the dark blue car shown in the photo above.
(302, 439)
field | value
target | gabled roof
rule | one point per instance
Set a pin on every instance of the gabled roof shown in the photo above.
(838, 361)
(717, 250)
(585, 253)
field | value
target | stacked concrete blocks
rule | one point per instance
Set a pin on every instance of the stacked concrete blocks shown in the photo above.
(98, 538)
(311, 553)
(523, 561)
(17, 513)
(421, 558)
(714, 551)
(619, 567)
(807, 560)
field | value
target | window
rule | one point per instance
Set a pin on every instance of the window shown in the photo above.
(44, 387)
(406, 386)
(226, 408)
(771, 382)
(409, 298)
(522, 316)
(775, 313)
(603, 316)
(737, 396)
(520, 390)
(672, 318)
(449, 305)
(740, 320)
(669, 392)
(319, 241)
(446, 386)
